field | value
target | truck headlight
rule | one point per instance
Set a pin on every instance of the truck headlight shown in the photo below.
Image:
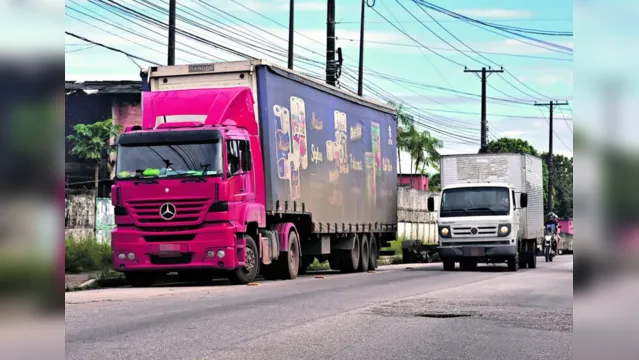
(504, 230)
(444, 231)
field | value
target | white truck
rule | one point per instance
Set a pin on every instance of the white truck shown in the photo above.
(491, 210)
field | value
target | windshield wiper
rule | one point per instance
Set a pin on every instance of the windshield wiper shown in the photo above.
(484, 209)
(462, 210)
(146, 181)
(200, 178)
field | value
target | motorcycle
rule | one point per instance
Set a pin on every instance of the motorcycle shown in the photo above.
(549, 244)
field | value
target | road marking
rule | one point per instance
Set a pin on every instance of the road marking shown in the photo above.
(320, 277)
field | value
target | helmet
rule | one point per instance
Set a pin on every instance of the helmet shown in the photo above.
(551, 216)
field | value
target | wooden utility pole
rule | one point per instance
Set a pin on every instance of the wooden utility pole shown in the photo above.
(360, 78)
(551, 132)
(331, 66)
(291, 33)
(171, 52)
(485, 73)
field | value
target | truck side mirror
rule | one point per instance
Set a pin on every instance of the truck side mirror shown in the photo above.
(523, 200)
(431, 204)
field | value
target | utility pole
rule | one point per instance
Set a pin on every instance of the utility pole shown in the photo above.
(551, 168)
(330, 44)
(171, 60)
(360, 78)
(291, 32)
(485, 73)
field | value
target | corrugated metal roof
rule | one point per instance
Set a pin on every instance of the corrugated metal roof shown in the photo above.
(105, 87)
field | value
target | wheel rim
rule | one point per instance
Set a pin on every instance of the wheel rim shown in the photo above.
(292, 259)
(249, 265)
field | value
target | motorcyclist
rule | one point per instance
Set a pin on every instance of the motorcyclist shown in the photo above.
(552, 226)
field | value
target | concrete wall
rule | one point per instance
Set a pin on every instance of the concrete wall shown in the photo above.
(415, 222)
(86, 217)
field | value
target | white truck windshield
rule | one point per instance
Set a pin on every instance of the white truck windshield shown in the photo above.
(475, 201)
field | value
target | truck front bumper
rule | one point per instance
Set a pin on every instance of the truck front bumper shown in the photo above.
(138, 250)
(484, 250)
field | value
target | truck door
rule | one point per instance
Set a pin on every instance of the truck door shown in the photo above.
(240, 179)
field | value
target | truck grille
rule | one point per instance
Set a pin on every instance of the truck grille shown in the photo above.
(468, 231)
(184, 211)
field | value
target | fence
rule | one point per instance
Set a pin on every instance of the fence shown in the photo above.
(415, 222)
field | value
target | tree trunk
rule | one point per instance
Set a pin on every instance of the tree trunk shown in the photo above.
(97, 179)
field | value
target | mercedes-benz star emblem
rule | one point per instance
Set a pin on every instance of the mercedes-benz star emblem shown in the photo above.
(473, 231)
(167, 211)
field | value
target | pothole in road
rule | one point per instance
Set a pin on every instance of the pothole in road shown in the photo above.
(442, 315)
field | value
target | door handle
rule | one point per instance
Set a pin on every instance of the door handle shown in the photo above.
(241, 190)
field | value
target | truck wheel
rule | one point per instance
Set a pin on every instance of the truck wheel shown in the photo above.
(513, 263)
(349, 261)
(245, 274)
(140, 279)
(365, 254)
(532, 261)
(449, 265)
(372, 261)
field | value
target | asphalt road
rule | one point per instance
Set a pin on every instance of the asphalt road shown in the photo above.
(395, 313)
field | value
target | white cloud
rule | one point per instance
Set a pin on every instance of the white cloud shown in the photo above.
(512, 133)
(496, 13)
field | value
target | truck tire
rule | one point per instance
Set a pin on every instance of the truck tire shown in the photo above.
(513, 263)
(140, 279)
(349, 259)
(532, 261)
(286, 267)
(449, 265)
(364, 256)
(243, 275)
(372, 261)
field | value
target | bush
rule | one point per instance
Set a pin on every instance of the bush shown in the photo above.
(84, 255)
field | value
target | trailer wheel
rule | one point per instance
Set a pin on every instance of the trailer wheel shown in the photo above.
(449, 265)
(349, 259)
(532, 261)
(140, 279)
(245, 274)
(372, 262)
(364, 257)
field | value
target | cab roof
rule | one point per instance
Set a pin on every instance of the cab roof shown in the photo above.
(479, 184)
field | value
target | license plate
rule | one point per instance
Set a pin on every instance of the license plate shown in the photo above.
(170, 249)
(474, 251)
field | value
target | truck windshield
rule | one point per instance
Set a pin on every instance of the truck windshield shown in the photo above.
(475, 201)
(168, 160)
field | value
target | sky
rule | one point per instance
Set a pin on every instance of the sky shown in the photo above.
(408, 55)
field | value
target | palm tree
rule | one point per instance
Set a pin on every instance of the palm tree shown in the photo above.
(421, 146)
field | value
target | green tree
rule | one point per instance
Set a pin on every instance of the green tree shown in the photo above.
(91, 140)
(562, 184)
(434, 182)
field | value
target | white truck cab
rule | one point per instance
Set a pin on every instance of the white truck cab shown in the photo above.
(488, 221)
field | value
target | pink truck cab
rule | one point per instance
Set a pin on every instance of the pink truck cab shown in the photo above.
(245, 190)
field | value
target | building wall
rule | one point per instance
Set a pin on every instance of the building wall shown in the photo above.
(566, 226)
(127, 111)
(419, 182)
